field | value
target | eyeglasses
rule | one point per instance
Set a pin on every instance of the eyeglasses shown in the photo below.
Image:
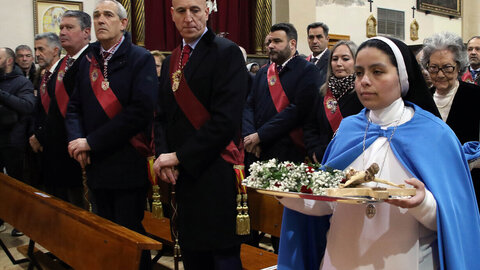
(445, 69)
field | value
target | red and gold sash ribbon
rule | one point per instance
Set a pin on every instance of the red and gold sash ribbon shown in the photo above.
(45, 98)
(280, 100)
(332, 110)
(196, 113)
(60, 92)
(112, 106)
(102, 91)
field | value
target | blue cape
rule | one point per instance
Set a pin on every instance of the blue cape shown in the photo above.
(472, 150)
(431, 152)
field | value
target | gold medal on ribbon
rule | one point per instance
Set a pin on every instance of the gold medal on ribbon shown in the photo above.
(60, 75)
(42, 89)
(332, 105)
(273, 80)
(176, 80)
(94, 75)
(105, 85)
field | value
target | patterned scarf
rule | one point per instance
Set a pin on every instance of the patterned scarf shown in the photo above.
(341, 86)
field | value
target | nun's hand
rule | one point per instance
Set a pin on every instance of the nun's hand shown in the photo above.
(413, 201)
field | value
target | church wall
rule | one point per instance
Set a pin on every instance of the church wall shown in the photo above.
(349, 18)
(471, 25)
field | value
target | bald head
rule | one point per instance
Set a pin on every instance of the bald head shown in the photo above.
(7, 58)
(190, 18)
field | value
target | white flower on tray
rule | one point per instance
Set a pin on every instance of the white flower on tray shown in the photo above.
(290, 177)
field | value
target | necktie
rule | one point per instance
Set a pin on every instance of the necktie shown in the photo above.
(186, 54)
(46, 77)
(105, 54)
(313, 60)
(70, 61)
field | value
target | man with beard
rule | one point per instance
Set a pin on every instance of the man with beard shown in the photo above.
(62, 175)
(281, 97)
(16, 103)
(24, 59)
(473, 70)
(318, 43)
(47, 53)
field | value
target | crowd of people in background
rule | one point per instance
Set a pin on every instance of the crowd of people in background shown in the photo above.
(97, 111)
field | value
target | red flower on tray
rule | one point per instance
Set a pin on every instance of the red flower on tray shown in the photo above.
(306, 189)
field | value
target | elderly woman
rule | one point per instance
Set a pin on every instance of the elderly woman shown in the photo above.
(337, 99)
(437, 228)
(445, 58)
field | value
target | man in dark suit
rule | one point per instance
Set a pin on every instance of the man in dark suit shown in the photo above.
(272, 128)
(471, 75)
(204, 77)
(62, 175)
(112, 103)
(318, 43)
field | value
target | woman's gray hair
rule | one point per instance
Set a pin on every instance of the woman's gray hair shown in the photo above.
(121, 11)
(353, 50)
(445, 41)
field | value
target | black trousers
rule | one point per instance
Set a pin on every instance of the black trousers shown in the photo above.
(11, 159)
(124, 207)
(221, 259)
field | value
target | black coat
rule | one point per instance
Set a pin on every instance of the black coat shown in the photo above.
(205, 189)
(115, 163)
(317, 131)
(322, 65)
(464, 115)
(16, 104)
(300, 81)
(58, 168)
(464, 120)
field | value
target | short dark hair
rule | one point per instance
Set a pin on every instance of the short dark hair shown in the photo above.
(83, 18)
(23, 47)
(288, 28)
(318, 24)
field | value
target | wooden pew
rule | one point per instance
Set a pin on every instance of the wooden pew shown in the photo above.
(265, 213)
(79, 238)
(252, 258)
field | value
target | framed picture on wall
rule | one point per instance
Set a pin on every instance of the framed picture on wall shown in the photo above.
(47, 14)
(451, 8)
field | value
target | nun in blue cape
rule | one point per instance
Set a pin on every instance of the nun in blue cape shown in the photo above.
(438, 228)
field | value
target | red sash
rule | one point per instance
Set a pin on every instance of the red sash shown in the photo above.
(111, 105)
(60, 91)
(280, 100)
(467, 77)
(103, 92)
(308, 58)
(196, 113)
(44, 92)
(332, 110)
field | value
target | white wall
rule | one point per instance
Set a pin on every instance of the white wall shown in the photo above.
(349, 19)
(16, 21)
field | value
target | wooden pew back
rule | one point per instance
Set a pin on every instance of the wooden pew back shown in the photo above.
(79, 238)
(265, 213)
